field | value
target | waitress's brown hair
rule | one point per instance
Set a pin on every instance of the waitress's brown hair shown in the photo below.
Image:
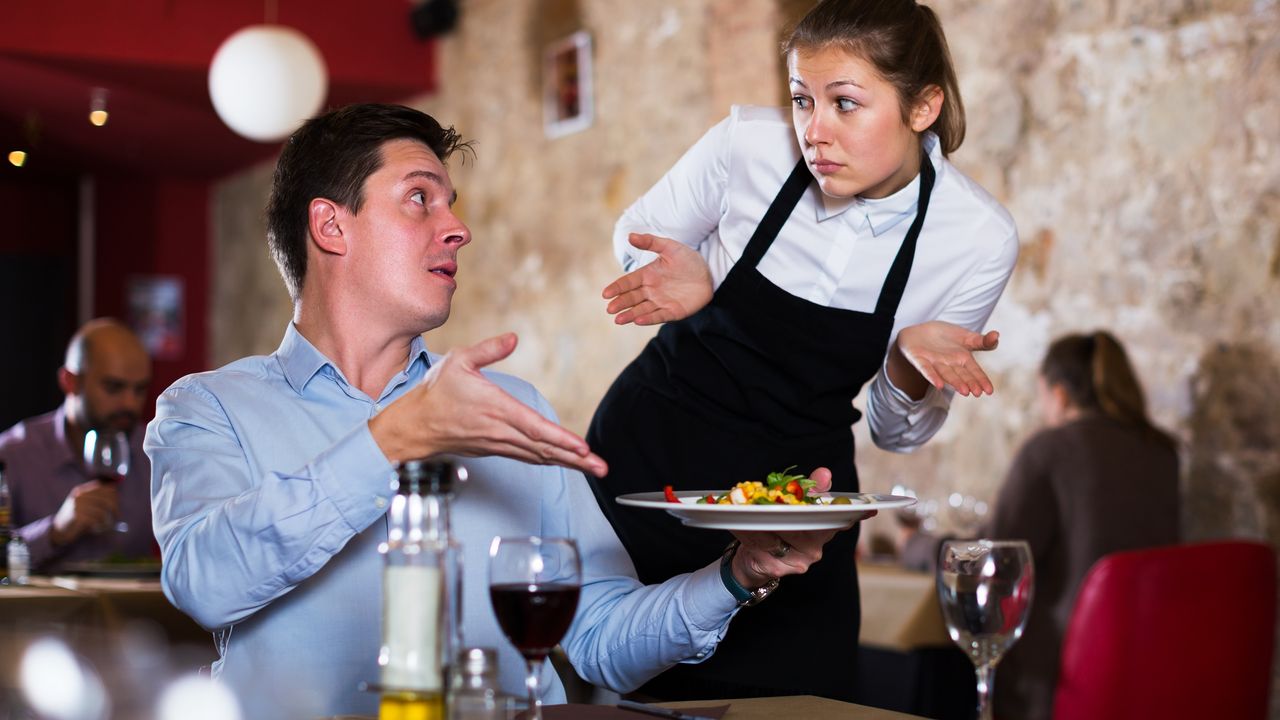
(905, 43)
(1096, 375)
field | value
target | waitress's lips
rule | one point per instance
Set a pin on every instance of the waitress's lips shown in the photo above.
(824, 166)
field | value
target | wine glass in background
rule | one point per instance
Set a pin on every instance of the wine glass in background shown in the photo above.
(534, 585)
(985, 588)
(106, 456)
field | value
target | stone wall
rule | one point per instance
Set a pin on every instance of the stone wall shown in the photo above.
(1136, 142)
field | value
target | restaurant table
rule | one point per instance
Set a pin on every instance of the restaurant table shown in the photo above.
(93, 614)
(790, 706)
(906, 660)
(760, 708)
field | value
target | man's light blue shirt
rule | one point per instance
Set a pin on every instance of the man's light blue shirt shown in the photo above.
(269, 498)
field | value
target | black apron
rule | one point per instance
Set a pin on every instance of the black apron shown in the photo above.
(757, 381)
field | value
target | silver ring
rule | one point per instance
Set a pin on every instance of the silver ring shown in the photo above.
(781, 550)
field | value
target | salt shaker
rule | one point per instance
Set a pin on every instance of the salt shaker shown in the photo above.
(477, 696)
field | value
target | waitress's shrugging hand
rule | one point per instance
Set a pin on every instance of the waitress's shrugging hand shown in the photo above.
(765, 555)
(940, 354)
(674, 286)
(457, 410)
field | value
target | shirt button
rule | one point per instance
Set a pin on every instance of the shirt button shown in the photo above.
(700, 655)
(380, 502)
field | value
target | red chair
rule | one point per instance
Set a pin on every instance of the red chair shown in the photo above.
(1173, 632)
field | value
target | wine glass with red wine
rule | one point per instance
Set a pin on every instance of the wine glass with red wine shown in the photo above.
(534, 585)
(106, 455)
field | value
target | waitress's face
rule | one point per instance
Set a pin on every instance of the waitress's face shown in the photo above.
(848, 120)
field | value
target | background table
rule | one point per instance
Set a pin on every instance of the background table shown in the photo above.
(906, 660)
(123, 628)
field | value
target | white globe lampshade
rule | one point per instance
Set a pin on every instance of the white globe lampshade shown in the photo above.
(265, 80)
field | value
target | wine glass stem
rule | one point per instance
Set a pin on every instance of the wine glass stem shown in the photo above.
(531, 683)
(986, 684)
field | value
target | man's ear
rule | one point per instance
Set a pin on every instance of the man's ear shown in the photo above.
(68, 382)
(927, 108)
(323, 220)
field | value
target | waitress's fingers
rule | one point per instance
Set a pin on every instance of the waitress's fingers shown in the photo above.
(628, 299)
(651, 243)
(929, 371)
(821, 476)
(626, 283)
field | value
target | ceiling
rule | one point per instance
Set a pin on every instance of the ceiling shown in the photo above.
(153, 58)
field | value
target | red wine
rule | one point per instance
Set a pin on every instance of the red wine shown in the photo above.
(108, 478)
(534, 617)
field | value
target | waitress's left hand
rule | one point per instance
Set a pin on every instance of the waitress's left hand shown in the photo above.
(674, 286)
(765, 555)
(942, 354)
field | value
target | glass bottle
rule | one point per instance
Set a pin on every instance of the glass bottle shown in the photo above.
(17, 556)
(6, 516)
(419, 572)
(477, 695)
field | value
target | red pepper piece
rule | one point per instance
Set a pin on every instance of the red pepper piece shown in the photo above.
(670, 494)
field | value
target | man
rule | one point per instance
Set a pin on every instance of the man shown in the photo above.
(272, 474)
(64, 514)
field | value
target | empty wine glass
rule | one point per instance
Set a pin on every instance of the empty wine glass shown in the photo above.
(985, 588)
(534, 585)
(106, 457)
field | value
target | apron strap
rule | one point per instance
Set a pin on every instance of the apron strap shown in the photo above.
(896, 282)
(790, 194)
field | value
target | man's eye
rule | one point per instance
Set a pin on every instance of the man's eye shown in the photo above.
(419, 197)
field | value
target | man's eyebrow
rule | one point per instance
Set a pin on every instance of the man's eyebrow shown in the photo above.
(434, 179)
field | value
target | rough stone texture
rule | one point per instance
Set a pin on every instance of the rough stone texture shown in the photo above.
(1136, 142)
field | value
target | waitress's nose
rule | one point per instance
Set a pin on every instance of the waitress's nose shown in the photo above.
(815, 132)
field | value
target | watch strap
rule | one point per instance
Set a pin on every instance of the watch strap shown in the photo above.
(745, 597)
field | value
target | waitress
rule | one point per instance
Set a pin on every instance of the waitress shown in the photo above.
(788, 272)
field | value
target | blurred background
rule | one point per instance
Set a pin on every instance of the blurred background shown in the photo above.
(1136, 143)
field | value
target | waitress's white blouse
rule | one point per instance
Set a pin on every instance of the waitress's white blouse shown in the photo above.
(835, 251)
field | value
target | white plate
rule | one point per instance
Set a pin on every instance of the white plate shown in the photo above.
(765, 517)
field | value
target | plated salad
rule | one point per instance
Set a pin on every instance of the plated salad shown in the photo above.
(779, 488)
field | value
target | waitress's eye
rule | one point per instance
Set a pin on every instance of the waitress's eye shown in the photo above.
(845, 104)
(800, 101)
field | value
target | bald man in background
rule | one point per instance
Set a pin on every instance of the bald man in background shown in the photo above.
(65, 515)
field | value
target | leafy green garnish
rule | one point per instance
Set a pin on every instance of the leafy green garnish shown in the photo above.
(780, 479)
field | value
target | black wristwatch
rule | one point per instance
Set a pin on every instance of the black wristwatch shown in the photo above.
(745, 597)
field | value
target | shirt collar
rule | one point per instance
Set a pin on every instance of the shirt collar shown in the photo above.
(882, 214)
(300, 360)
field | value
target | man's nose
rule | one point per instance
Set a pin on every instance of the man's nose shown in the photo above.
(457, 234)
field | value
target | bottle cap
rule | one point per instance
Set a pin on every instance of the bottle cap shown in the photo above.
(423, 476)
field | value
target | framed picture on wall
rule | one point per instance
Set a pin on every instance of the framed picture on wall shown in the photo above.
(156, 314)
(566, 79)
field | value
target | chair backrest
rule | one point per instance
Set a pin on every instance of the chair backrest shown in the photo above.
(1174, 632)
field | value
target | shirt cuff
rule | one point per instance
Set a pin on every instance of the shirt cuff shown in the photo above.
(709, 604)
(895, 400)
(357, 478)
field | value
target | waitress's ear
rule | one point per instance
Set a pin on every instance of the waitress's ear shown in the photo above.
(926, 109)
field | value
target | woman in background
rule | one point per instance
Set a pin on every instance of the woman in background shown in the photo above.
(793, 261)
(1100, 478)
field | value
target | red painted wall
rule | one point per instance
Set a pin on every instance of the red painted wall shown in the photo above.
(148, 227)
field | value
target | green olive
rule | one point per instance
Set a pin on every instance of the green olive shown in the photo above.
(841, 501)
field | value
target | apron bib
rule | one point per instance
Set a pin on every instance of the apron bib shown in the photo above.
(757, 381)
